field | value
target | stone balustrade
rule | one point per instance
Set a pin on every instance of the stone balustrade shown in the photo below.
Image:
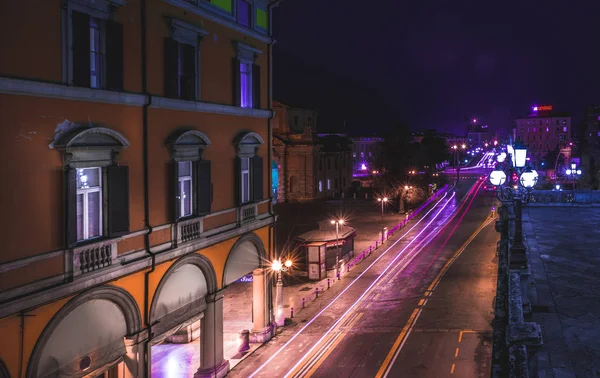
(247, 213)
(90, 257)
(189, 229)
(578, 197)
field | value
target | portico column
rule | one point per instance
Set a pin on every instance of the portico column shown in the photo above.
(212, 363)
(262, 329)
(133, 363)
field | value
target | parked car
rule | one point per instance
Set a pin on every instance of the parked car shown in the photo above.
(489, 188)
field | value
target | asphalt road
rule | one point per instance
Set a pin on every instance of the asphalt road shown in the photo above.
(381, 325)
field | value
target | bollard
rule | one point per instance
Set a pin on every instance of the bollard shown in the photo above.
(376, 244)
(244, 341)
(370, 249)
(302, 302)
(348, 269)
(328, 284)
(317, 293)
(292, 313)
(338, 275)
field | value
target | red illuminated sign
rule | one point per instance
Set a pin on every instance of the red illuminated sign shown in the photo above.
(544, 108)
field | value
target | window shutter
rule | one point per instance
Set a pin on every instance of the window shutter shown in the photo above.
(117, 183)
(71, 206)
(235, 80)
(171, 58)
(81, 48)
(257, 178)
(256, 86)
(114, 56)
(188, 79)
(238, 181)
(203, 187)
(176, 203)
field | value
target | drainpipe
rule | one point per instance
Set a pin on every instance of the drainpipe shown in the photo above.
(270, 136)
(148, 226)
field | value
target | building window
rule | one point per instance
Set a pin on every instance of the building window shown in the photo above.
(328, 184)
(94, 45)
(370, 154)
(244, 13)
(335, 183)
(246, 77)
(547, 129)
(246, 84)
(186, 198)
(328, 163)
(245, 179)
(557, 123)
(181, 60)
(96, 187)
(354, 154)
(249, 168)
(320, 186)
(96, 53)
(565, 129)
(534, 129)
(362, 154)
(89, 203)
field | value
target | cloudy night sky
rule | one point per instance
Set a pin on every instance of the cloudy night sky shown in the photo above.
(430, 64)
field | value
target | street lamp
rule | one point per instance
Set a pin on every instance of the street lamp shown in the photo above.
(278, 267)
(574, 173)
(337, 222)
(383, 200)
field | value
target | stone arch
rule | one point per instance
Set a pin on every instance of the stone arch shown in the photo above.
(249, 253)
(3, 370)
(247, 143)
(187, 302)
(187, 144)
(116, 302)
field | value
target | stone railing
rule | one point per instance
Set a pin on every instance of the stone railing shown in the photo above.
(91, 257)
(516, 341)
(578, 197)
(247, 213)
(189, 229)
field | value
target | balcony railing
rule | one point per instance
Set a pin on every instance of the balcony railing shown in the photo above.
(91, 257)
(189, 230)
(247, 213)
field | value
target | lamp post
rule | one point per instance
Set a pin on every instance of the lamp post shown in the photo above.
(574, 173)
(508, 193)
(383, 200)
(337, 223)
(278, 268)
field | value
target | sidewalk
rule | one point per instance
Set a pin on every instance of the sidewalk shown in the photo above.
(565, 293)
(367, 245)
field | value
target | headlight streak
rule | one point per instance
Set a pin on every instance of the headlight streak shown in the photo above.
(381, 275)
(347, 288)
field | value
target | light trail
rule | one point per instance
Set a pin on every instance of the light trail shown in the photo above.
(346, 289)
(388, 267)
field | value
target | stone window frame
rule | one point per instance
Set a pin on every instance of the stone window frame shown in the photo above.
(247, 145)
(247, 54)
(100, 9)
(91, 147)
(188, 145)
(189, 34)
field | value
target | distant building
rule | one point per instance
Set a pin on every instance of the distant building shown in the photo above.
(365, 152)
(590, 132)
(307, 166)
(543, 130)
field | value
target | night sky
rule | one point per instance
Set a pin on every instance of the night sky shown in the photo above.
(431, 63)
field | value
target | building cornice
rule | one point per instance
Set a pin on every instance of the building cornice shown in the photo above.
(23, 87)
(209, 12)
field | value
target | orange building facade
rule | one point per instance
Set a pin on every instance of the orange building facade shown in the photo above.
(137, 138)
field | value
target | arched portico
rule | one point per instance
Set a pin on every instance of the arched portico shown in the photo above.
(179, 314)
(247, 293)
(99, 325)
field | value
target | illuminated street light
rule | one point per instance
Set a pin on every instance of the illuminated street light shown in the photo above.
(338, 223)
(463, 146)
(383, 200)
(278, 267)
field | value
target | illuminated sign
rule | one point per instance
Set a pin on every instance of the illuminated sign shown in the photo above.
(542, 108)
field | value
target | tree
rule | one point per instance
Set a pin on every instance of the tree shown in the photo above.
(434, 149)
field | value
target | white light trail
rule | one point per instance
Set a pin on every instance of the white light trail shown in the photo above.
(388, 267)
(348, 287)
